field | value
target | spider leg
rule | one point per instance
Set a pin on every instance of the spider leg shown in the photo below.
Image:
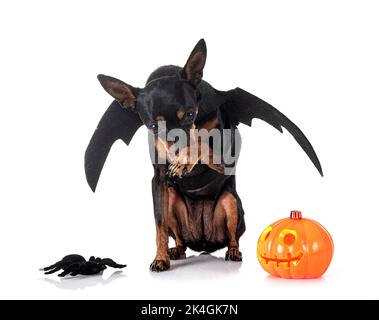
(55, 265)
(71, 268)
(53, 270)
(75, 269)
(109, 262)
(65, 272)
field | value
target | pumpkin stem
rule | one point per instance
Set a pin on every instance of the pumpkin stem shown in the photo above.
(296, 215)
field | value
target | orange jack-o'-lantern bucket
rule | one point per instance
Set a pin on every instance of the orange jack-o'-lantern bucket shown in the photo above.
(295, 248)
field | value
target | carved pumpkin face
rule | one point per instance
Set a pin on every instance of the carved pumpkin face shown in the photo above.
(295, 248)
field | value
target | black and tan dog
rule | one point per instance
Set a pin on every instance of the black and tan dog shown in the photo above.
(194, 202)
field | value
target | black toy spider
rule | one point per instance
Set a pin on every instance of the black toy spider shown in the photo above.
(75, 264)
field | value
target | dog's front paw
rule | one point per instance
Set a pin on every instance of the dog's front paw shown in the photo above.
(233, 254)
(160, 265)
(177, 253)
(183, 163)
(177, 169)
(220, 168)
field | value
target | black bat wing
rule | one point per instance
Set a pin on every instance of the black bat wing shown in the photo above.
(242, 106)
(116, 123)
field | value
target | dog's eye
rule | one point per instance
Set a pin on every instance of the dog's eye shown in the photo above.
(190, 114)
(153, 126)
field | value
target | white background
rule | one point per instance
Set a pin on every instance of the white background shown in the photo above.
(316, 61)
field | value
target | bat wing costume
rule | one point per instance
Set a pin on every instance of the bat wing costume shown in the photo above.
(237, 104)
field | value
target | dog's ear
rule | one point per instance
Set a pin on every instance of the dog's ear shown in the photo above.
(193, 69)
(125, 94)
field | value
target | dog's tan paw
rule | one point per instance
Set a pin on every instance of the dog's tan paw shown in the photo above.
(184, 162)
(233, 254)
(177, 169)
(220, 168)
(160, 265)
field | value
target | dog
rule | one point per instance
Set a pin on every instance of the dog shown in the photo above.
(194, 197)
